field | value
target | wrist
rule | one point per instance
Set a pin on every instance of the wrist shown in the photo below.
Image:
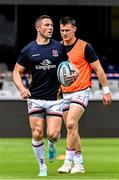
(105, 89)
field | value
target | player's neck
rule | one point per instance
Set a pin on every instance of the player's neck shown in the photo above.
(42, 41)
(69, 42)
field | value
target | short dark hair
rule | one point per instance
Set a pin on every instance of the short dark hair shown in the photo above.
(68, 20)
(42, 17)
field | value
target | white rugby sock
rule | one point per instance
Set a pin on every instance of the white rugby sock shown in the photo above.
(78, 158)
(69, 154)
(38, 148)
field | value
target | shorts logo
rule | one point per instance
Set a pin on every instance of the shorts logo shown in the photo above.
(29, 105)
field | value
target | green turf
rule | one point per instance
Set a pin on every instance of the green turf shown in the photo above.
(101, 159)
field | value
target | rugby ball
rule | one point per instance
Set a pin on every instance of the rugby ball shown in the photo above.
(64, 69)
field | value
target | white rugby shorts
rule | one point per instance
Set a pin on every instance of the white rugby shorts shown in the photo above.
(79, 98)
(43, 108)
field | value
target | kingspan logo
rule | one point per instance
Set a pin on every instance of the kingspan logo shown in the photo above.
(46, 64)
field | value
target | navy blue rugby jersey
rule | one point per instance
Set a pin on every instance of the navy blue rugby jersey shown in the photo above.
(42, 61)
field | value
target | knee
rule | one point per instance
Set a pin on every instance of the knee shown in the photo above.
(54, 136)
(37, 133)
(71, 125)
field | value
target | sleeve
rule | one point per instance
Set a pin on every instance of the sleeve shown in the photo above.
(22, 60)
(90, 54)
(64, 55)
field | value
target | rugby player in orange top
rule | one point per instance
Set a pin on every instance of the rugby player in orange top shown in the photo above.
(76, 97)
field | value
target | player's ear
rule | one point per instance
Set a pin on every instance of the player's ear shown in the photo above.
(75, 28)
(37, 26)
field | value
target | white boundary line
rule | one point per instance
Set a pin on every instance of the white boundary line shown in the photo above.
(58, 179)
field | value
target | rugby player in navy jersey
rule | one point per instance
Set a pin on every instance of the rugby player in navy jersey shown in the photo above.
(42, 56)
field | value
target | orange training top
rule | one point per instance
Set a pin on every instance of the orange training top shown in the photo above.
(77, 58)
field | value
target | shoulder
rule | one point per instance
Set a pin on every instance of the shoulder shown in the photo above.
(83, 42)
(28, 46)
(90, 53)
(57, 43)
(89, 47)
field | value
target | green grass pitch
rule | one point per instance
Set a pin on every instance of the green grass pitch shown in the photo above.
(101, 159)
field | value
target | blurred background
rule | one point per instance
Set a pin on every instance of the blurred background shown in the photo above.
(98, 24)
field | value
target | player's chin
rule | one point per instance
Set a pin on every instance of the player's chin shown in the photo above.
(49, 35)
(65, 38)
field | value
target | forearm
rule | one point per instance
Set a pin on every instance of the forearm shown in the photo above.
(107, 98)
(102, 78)
(18, 80)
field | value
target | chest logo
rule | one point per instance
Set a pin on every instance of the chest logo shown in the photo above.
(45, 65)
(45, 62)
(54, 53)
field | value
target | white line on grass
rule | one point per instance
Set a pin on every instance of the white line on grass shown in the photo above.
(57, 179)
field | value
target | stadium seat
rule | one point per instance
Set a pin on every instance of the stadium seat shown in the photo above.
(3, 67)
(96, 93)
(5, 95)
(9, 85)
(114, 85)
(95, 85)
